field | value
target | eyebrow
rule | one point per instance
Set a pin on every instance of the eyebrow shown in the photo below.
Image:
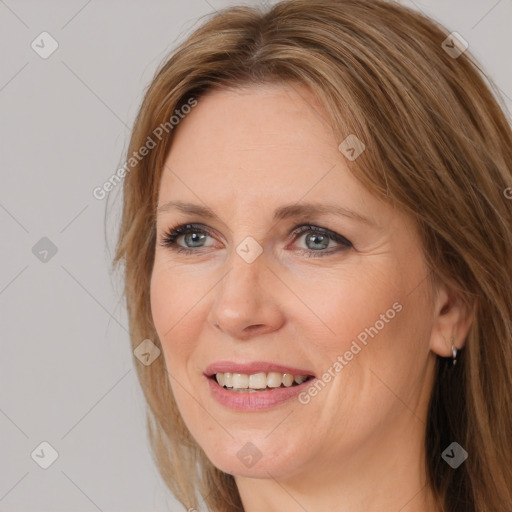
(281, 213)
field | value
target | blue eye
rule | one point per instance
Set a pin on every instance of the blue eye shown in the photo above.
(320, 238)
(317, 239)
(170, 237)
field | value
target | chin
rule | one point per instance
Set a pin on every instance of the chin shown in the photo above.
(250, 462)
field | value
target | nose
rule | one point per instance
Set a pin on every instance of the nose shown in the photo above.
(246, 303)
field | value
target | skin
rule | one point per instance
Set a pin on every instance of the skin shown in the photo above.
(357, 445)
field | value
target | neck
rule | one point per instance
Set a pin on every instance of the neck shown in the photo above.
(387, 473)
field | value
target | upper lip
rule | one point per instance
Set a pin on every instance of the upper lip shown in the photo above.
(252, 367)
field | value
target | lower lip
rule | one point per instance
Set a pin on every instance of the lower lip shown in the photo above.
(258, 401)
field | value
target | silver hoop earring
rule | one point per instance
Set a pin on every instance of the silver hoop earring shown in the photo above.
(454, 355)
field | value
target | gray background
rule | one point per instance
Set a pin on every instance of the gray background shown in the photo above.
(67, 376)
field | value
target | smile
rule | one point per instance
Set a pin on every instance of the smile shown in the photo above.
(247, 399)
(258, 382)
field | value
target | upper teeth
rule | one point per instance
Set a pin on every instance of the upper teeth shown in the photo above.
(258, 380)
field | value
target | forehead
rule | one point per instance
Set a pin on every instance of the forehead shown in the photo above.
(261, 145)
(229, 124)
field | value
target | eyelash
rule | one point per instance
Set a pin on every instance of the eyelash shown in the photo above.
(168, 239)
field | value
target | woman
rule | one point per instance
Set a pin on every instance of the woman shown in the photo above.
(317, 237)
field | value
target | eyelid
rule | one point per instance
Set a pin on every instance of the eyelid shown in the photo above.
(168, 239)
(178, 230)
(312, 228)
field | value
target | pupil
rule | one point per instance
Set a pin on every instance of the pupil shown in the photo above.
(316, 238)
(194, 236)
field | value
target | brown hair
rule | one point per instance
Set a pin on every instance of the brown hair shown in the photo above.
(438, 147)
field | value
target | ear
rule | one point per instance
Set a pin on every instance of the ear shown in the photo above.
(452, 319)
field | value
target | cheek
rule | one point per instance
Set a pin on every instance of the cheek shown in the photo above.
(173, 311)
(173, 316)
(381, 324)
(176, 292)
(345, 306)
(376, 319)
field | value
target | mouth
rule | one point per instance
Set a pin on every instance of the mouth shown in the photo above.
(259, 382)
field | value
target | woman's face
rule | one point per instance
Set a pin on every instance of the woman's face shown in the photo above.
(350, 300)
